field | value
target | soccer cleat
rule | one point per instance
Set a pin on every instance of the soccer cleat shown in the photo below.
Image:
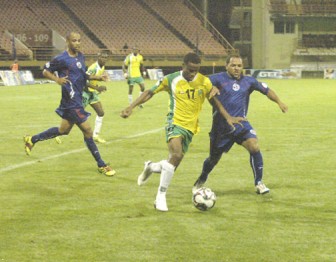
(28, 144)
(107, 171)
(261, 188)
(160, 203)
(198, 184)
(58, 140)
(98, 139)
(143, 177)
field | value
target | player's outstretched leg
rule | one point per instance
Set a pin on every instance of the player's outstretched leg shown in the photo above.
(102, 167)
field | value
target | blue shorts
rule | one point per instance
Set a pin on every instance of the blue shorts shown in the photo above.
(76, 116)
(224, 142)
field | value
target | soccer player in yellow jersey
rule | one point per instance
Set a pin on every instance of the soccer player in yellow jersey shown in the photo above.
(133, 69)
(92, 91)
(187, 91)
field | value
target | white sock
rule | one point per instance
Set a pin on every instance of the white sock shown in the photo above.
(130, 99)
(156, 167)
(140, 93)
(166, 176)
(98, 125)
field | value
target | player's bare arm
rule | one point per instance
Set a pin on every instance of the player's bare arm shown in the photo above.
(53, 77)
(98, 78)
(273, 96)
(145, 96)
(213, 92)
(100, 89)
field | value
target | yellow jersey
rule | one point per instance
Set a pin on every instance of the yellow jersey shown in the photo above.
(133, 63)
(95, 70)
(185, 98)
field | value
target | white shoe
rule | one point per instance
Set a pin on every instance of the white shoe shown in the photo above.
(58, 140)
(160, 203)
(143, 177)
(261, 188)
(98, 139)
(198, 184)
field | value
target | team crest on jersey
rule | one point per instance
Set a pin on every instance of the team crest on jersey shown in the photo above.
(235, 87)
(79, 64)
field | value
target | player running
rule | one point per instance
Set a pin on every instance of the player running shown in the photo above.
(235, 90)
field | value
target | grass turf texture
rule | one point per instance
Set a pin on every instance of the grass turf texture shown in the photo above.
(55, 206)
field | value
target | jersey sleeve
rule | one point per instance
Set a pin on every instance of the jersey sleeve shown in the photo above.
(127, 60)
(161, 85)
(260, 86)
(54, 65)
(214, 80)
(208, 85)
(92, 70)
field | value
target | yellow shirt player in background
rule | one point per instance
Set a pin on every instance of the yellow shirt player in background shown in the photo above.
(91, 94)
(187, 91)
(133, 69)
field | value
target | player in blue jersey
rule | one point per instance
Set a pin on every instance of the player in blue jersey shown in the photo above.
(235, 90)
(71, 75)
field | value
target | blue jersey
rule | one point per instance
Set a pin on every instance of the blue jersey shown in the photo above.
(74, 68)
(234, 96)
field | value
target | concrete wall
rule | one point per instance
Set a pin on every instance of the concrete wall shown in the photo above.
(269, 50)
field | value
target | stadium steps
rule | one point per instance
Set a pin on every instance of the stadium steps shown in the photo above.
(82, 25)
(169, 26)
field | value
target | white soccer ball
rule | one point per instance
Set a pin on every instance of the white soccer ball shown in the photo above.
(204, 199)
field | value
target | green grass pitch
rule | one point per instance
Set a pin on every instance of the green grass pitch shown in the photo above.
(55, 206)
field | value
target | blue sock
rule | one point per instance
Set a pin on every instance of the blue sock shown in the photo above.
(207, 168)
(257, 164)
(45, 135)
(91, 145)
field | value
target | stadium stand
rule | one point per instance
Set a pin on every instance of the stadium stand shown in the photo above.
(137, 27)
(182, 19)
(156, 27)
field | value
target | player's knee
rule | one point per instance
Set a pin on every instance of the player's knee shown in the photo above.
(177, 157)
(101, 113)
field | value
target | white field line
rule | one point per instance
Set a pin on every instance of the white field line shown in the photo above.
(29, 163)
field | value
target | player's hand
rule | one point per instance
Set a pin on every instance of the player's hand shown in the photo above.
(283, 107)
(126, 112)
(213, 92)
(104, 78)
(62, 80)
(101, 89)
(236, 120)
(125, 75)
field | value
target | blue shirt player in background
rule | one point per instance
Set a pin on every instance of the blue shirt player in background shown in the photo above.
(71, 75)
(235, 90)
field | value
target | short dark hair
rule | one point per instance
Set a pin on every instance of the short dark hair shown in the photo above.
(191, 58)
(232, 56)
(68, 35)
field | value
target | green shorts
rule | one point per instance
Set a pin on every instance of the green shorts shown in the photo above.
(177, 131)
(90, 98)
(135, 80)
